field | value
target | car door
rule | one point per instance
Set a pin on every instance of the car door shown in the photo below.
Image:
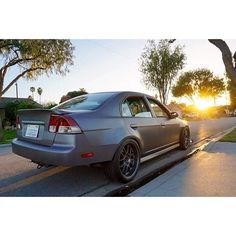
(140, 121)
(167, 130)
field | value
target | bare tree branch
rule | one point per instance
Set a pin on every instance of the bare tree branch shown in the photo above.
(227, 58)
(4, 72)
(14, 61)
(18, 77)
(234, 57)
(16, 52)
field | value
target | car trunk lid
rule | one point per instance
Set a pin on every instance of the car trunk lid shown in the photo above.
(34, 124)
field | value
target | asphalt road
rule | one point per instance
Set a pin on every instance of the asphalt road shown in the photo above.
(20, 177)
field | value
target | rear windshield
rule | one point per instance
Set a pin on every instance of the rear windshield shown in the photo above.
(85, 102)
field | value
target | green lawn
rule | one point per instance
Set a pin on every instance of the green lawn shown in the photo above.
(231, 137)
(8, 135)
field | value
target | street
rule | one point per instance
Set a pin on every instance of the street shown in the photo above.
(20, 177)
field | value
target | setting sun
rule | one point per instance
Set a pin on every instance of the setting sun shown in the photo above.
(203, 104)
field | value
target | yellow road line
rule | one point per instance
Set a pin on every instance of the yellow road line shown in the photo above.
(32, 179)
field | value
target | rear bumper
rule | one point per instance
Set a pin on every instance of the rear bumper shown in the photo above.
(59, 155)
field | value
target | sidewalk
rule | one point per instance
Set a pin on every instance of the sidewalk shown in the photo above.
(5, 149)
(211, 172)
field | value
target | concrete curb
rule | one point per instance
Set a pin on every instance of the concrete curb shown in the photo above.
(5, 145)
(210, 145)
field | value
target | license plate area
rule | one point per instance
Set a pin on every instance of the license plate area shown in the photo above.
(32, 131)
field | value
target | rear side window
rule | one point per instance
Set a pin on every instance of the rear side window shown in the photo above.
(135, 107)
(85, 102)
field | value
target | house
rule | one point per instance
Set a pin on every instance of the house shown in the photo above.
(6, 100)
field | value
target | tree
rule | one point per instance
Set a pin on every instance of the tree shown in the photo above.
(229, 60)
(73, 94)
(160, 65)
(227, 57)
(211, 88)
(185, 86)
(40, 91)
(11, 109)
(49, 105)
(32, 90)
(198, 83)
(231, 87)
(64, 98)
(33, 58)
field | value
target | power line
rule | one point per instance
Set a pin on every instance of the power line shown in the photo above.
(113, 51)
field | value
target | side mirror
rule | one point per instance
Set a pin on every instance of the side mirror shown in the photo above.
(173, 115)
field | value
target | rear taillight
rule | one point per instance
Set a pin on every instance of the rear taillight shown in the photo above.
(63, 125)
(18, 124)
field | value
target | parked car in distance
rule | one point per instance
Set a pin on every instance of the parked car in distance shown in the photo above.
(117, 129)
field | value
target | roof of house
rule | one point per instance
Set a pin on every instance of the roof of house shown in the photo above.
(5, 100)
(175, 107)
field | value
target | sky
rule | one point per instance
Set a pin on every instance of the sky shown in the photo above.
(113, 65)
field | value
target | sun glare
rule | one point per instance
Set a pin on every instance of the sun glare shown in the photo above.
(203, 104)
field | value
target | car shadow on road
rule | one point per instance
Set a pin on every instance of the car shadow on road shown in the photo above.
(75, 181)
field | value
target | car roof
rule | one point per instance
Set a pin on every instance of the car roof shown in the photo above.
(124, 92)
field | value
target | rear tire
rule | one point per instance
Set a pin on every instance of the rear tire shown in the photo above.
(184, 138)
(125, 163)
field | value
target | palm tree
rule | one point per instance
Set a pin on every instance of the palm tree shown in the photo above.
(32, 90)
(30, 97)
(39, 90)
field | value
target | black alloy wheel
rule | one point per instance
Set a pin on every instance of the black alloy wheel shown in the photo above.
(125, 163)
(184, 138)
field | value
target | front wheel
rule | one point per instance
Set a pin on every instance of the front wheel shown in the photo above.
(184, 138)
(125, 163)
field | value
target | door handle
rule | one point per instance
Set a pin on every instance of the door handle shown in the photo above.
(134, 126)
(163, 125)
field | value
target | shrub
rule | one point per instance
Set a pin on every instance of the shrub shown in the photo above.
(11, 109)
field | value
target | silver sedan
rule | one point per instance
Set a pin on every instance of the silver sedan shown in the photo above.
(117, 129)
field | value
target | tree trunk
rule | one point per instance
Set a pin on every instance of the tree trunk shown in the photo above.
(1, 88)
(228, 59)
(1, 82)
(1, 129)
(2, 75)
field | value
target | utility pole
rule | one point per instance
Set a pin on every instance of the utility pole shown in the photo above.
(16, 90)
